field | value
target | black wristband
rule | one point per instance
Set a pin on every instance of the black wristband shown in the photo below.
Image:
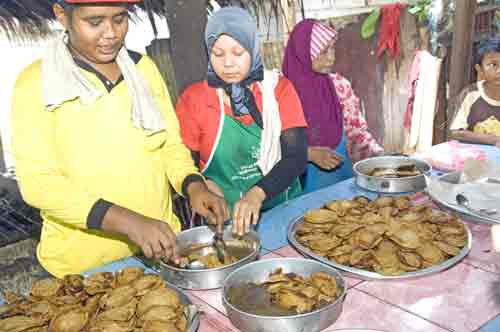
(97, 213)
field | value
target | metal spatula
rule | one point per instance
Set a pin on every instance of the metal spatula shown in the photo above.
(219, 244)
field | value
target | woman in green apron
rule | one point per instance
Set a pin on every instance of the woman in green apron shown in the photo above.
(244, 126)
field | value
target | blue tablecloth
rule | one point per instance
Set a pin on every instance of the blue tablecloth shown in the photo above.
(274, 223)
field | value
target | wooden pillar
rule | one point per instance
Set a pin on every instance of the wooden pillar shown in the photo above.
(160, 50)
(461, 54)
(186, 20)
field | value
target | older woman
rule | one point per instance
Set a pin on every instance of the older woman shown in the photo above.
(337, 131)
(245, 128)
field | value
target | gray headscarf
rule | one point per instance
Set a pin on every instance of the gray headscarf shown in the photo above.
(241, 26)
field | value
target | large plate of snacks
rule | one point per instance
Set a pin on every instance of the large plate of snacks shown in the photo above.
(385, 239)
(128, 300)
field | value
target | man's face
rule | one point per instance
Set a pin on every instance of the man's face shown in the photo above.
(489, 70)
(96, 32)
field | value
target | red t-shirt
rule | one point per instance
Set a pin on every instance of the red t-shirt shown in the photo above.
(198, 110)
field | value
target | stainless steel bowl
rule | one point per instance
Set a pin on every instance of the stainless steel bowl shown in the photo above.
(207, 278)
(391, 185)
(258, 272)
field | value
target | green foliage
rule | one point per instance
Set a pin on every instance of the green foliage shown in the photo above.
(420, 8)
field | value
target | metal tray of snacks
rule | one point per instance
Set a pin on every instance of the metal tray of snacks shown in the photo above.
(124, 300)
(403, 248)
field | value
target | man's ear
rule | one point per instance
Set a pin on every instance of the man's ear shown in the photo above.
(480, 72)
(60, 15)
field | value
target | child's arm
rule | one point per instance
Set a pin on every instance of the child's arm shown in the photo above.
(472, 137)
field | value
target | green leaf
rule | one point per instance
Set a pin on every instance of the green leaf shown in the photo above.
(414, 10)
(368, 28)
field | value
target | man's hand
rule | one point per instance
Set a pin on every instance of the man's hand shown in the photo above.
(247, 210)
(324, 157)
(208, 204)
(154, 237)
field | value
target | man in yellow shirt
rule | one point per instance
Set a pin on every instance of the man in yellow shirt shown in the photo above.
(97, 144)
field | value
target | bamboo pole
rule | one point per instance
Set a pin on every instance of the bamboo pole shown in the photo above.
(289, 17)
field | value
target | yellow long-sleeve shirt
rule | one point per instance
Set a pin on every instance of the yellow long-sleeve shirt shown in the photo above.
(70, 158)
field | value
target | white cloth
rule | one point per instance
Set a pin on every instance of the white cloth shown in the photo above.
(422, 123)
(63, 81)
(270, 145)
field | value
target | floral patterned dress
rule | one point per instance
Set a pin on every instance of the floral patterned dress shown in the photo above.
(360, 142)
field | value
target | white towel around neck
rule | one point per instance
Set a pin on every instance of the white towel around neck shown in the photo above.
(64, 81)
(270, 145)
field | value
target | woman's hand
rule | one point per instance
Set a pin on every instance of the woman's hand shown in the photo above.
(207, 204)
(247, 210)
(324, 157)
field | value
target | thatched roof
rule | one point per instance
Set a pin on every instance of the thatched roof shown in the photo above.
(31, 18)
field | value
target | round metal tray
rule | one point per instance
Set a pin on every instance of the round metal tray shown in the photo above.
(462, 212)
(195, 322)
(368, 275)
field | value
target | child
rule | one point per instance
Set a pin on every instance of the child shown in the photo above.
(477, 108)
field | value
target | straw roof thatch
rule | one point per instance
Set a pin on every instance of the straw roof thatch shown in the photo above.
(31, 18)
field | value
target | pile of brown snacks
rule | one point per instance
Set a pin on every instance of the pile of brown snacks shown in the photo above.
(128, 301)
(294, 292)
(389, 235)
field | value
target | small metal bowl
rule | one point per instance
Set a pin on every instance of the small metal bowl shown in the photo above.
(391, 185)
(204, 279)
(258, 272)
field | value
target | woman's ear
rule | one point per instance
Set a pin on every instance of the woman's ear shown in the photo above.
(60, 15)
(480, 73)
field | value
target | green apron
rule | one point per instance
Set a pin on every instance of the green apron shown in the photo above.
(233, 162)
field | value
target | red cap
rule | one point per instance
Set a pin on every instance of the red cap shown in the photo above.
(100, 1)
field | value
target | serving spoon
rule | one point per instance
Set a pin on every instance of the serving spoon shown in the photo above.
(218, 241)
(464, 201)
